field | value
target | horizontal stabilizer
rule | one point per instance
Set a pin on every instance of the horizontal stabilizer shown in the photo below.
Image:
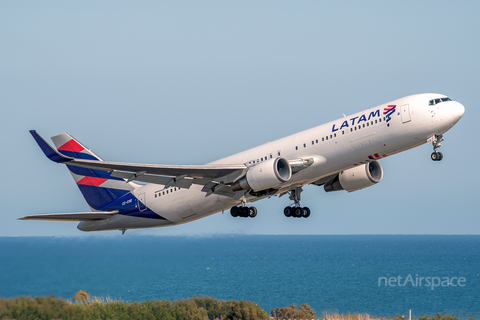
(76, 216)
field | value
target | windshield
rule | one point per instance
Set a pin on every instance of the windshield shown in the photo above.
(439, 100)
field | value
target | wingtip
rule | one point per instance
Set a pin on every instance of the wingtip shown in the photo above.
(48, 150)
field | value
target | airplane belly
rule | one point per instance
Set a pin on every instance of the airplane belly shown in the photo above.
(191, 204)
(183, 208)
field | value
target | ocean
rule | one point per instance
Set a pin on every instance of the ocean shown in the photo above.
(344, 273)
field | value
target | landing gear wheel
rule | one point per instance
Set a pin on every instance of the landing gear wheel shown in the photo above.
(436, 139)
(305, 212)
(234, 212)
(245, 212)
(287, 212)
(297, 212)
(252, 212)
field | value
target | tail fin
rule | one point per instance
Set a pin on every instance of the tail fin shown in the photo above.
(98, 187)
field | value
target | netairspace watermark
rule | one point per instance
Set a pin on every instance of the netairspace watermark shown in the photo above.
(417, 281)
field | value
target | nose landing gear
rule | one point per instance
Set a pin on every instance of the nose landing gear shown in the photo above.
(436, 155)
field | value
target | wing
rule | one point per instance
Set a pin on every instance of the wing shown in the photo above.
(77, 216)
(183, 176)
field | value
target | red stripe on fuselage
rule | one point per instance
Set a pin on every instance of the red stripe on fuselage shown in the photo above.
(91, 181)
(72, 146)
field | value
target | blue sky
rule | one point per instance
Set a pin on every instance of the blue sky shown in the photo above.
(191, 82)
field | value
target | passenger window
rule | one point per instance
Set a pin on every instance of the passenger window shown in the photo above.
(343, 132)
(351, 129)
(364, 125)
(167, 191)
(368, 124)
(380, 120)
(296, 147)
(316, 141)
(335, 135)
(355, 128)
(372, 123)
(326, 137)
(375, 121)
(155, 195)
(304, 145)
(279, 153)
(330, 136)
(313, 142)
(271, 156)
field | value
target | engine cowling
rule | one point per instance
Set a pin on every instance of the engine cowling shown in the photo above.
(356, 178)
(265, 175)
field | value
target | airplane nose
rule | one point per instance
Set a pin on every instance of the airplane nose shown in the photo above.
(457, 110)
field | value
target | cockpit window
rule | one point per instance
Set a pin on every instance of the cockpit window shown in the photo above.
(439, 100)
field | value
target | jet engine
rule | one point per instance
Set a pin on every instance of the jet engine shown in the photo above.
(264, 175)
(356, 178)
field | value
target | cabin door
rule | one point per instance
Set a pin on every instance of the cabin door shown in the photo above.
(142, 205)
(405, 113)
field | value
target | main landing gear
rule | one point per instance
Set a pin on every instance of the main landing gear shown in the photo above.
(436, 155)
(296, 211)
(244, 212)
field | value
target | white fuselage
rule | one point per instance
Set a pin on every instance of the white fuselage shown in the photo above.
(335, 146)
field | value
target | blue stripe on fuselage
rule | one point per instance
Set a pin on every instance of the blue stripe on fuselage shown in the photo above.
(98, 197)
(129, 205)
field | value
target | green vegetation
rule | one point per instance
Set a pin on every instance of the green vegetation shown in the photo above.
(291, 312)
(201, 308)
(358, 316)
(82, 306)
(81, 295)
(440, 317)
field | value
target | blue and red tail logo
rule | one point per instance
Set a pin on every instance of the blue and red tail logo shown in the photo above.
(97, 186)
(389, 111)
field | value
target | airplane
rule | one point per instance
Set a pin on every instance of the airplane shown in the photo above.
(340, 155)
